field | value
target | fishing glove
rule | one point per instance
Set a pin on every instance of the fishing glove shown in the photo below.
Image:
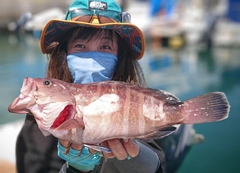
(86, 161)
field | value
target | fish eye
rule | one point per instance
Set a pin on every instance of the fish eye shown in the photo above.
(47, 82)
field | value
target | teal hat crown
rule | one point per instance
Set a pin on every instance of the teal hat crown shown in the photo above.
(98, 4)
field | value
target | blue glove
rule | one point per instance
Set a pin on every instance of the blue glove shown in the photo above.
(85, 162)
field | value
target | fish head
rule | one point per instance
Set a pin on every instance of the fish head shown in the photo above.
(39, 91)
(50, 101)
(47, 91)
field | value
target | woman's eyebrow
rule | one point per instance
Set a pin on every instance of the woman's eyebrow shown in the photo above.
(106, 39)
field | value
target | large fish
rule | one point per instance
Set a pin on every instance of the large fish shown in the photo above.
(92, 113)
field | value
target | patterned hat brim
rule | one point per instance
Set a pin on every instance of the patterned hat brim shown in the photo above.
(129, 32)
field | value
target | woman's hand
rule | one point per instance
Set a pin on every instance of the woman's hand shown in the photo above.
(65, 144)
(121, 149)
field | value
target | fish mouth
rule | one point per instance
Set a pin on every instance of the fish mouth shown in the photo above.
(24, 101)
(28, 86)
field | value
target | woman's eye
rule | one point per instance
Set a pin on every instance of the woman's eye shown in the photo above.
(79, 46)
(106, 47)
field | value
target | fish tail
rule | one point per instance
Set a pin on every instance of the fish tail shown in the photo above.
(210, 107)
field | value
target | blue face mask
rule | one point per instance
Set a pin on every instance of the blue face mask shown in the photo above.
(87, 67)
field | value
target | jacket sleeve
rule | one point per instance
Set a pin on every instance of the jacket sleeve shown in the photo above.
(68, 169)
(64, 168)
(146, 161)
(35, 152)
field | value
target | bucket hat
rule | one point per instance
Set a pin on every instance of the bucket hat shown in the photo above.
(102, 14)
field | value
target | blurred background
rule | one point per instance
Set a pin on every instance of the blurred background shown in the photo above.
(192, 47)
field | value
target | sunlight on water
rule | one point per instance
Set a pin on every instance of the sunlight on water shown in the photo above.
(20, 57)
(191, 72)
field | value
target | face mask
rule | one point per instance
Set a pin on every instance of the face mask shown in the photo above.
(87, 67)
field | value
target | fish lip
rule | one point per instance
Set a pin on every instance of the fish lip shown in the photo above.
(22, 101)
(27, 86)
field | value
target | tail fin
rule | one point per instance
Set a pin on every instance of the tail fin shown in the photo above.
(206, 108)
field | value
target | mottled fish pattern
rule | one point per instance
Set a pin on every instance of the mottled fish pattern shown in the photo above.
(92, 113)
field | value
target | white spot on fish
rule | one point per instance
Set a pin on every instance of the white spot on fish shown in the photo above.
(99, 112)
(104, 105)
(109, 98)
(154, 112)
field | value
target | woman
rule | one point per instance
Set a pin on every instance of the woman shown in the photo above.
(87, 43)
(94, 43)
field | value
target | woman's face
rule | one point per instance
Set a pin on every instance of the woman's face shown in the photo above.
(96, 44)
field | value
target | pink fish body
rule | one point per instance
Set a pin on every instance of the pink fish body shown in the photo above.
(92, 113)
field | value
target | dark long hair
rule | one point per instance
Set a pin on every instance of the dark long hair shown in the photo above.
(128, 69)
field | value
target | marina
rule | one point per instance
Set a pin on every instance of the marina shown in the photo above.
(186, 71)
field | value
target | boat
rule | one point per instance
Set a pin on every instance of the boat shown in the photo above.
(34, 23)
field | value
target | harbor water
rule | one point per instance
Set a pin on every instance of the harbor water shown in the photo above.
(185, 72)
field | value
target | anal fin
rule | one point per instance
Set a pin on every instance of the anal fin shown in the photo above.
(161, 133)
(98, 148)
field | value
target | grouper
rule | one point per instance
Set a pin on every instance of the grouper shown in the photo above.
(95, 112)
